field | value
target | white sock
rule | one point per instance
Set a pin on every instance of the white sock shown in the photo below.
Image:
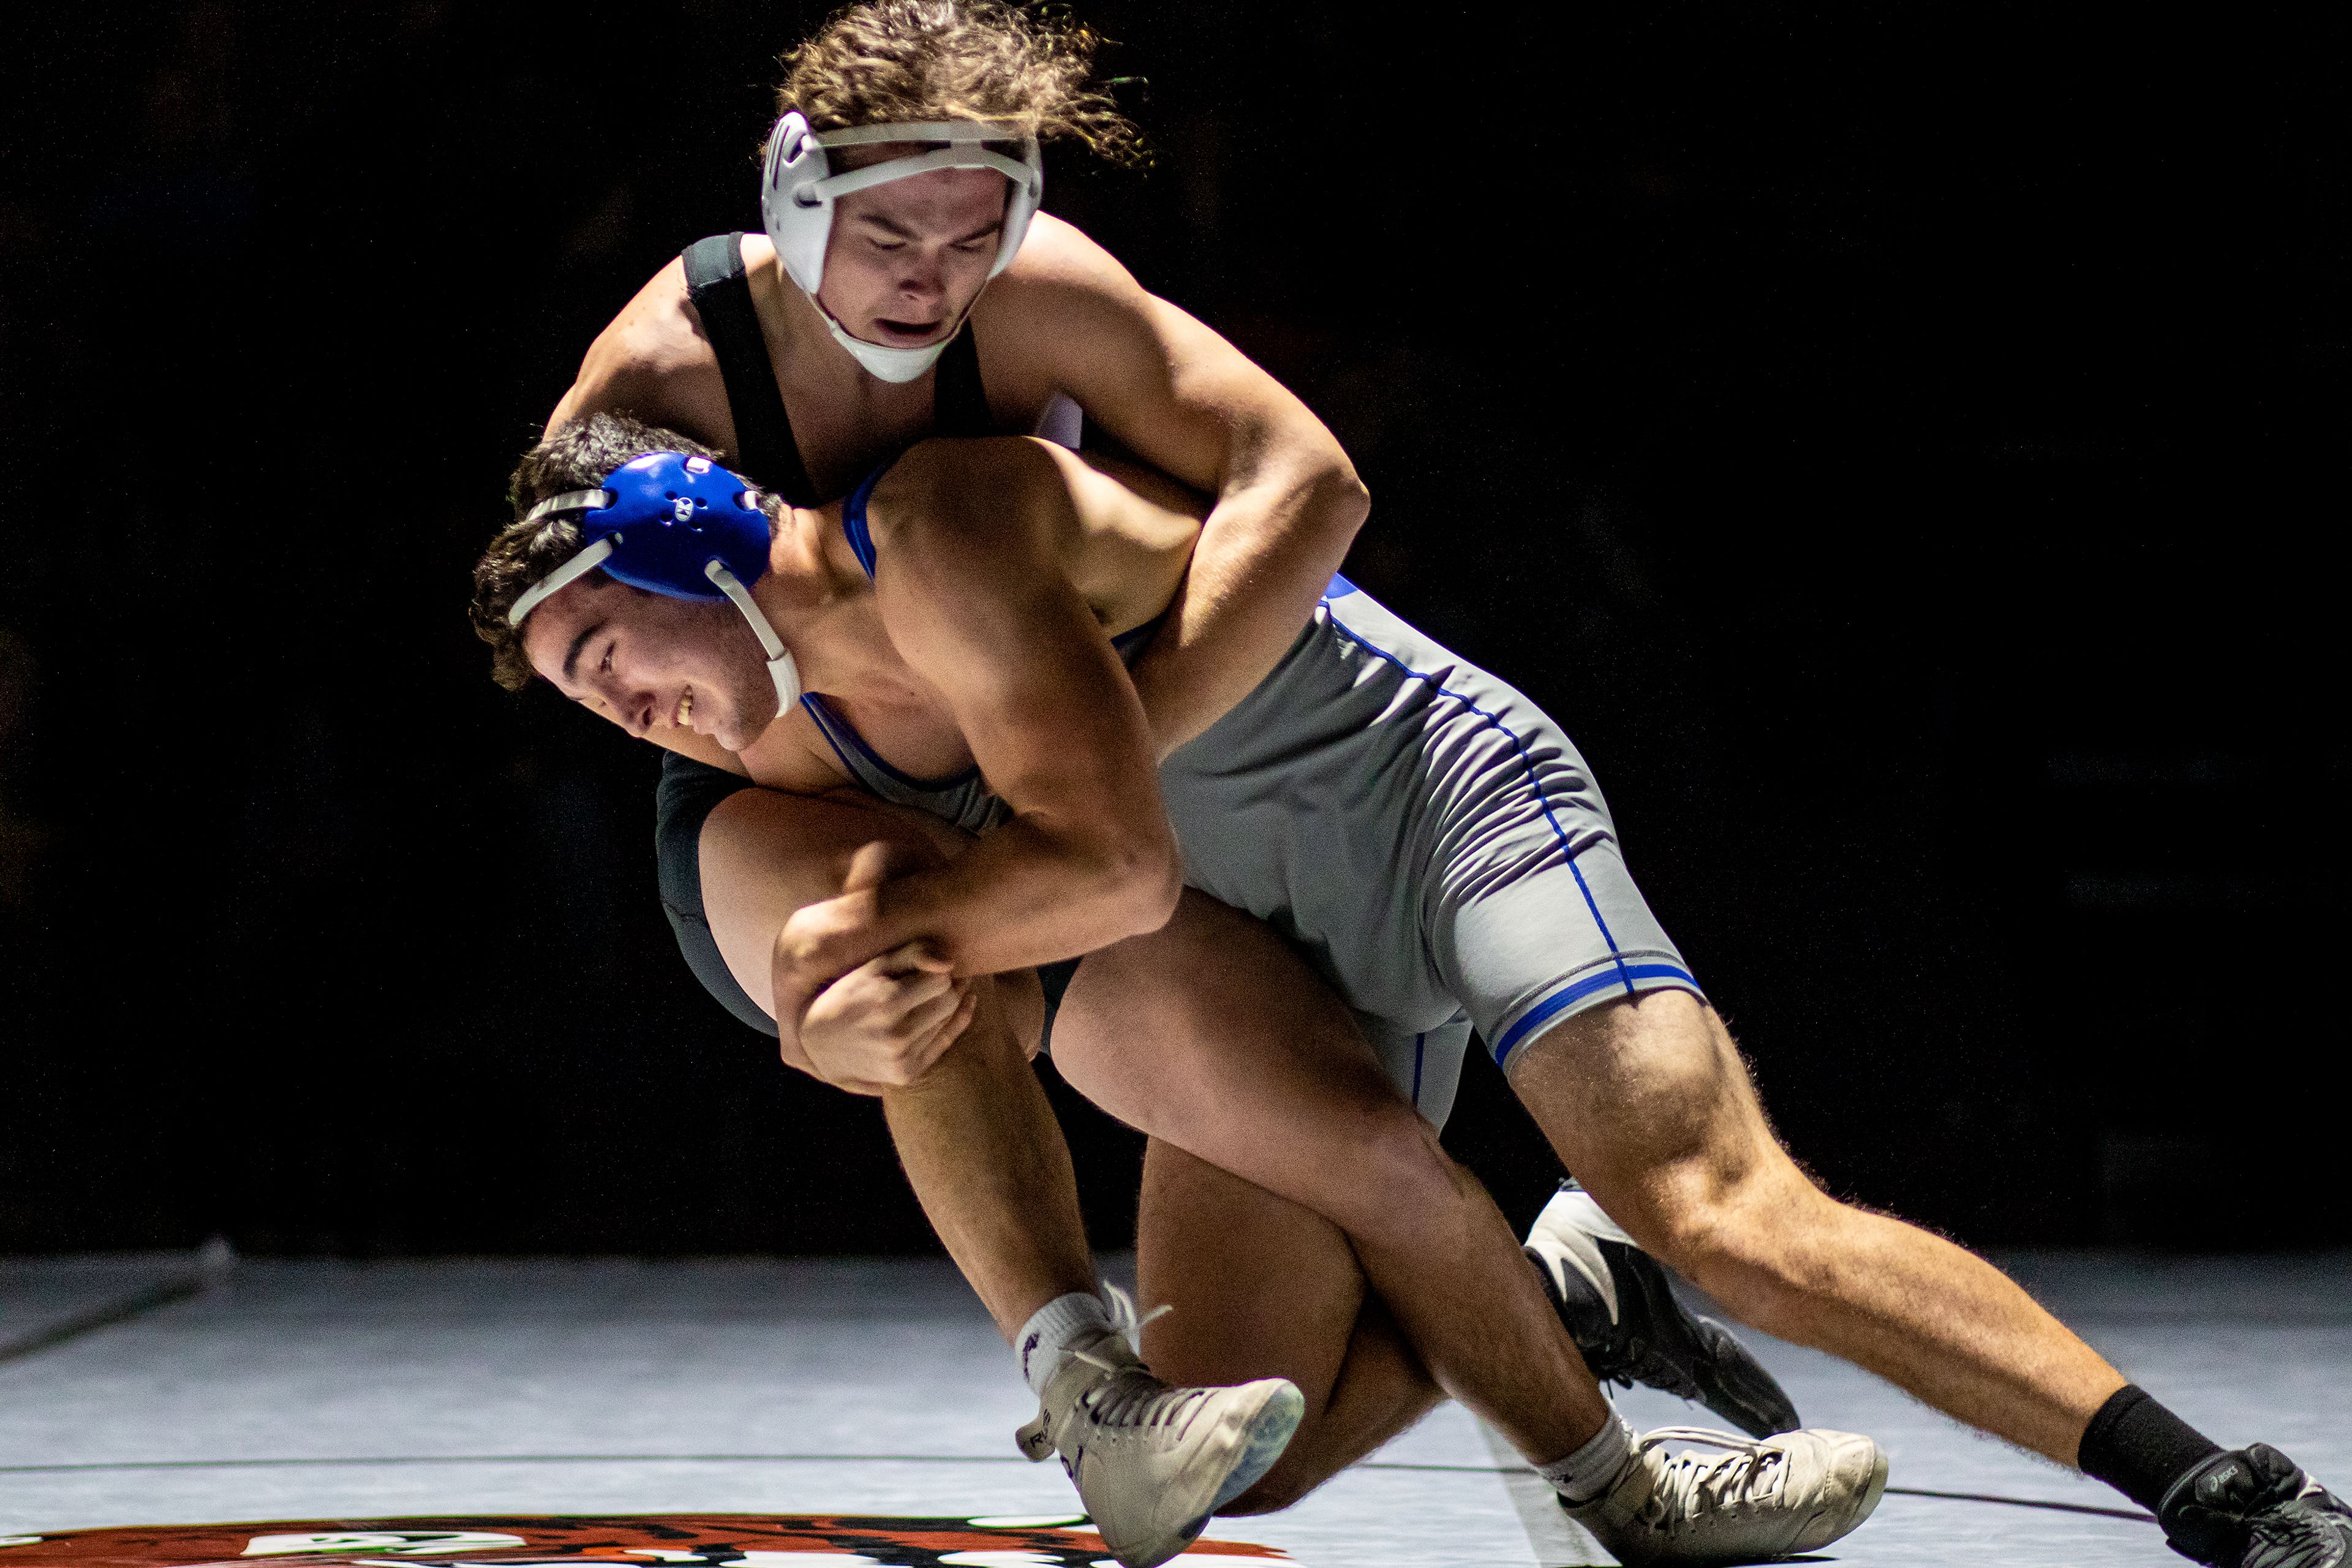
(1047, 1337)
(1593, 1468)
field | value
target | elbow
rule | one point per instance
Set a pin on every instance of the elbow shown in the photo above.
(1343, 500)
(1142, 877)
(1355, 495)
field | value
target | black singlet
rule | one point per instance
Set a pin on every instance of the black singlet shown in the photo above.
(764, 448)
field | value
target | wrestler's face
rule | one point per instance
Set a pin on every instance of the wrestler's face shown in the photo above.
(906, 258)
(649, 662)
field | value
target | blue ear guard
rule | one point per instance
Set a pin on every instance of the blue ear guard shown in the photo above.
(668, 516)
(671, 524)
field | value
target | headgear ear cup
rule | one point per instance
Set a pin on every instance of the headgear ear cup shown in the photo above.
(1020, 206)
(675, 525)
(793, 205)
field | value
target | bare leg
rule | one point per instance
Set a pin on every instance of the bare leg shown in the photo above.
(1647, 1101)
(1211, 1035)
(988, 1161)
(1208, 1244)
(977, 1138)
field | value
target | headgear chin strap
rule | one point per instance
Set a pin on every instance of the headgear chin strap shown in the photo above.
(679, 526)
(797, 192)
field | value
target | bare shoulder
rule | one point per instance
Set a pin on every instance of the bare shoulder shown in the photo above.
(947, 483)
(1058, 252)
(653, 363)
(1059, 269)
(1063, 300)
(971, 504)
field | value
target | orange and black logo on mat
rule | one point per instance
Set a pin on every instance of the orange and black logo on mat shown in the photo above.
(688, 1541)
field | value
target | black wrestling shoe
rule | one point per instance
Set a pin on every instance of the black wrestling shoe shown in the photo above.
(2254, 1508)
(1619, 1310)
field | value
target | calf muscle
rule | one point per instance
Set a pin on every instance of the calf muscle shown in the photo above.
(1648, 1103)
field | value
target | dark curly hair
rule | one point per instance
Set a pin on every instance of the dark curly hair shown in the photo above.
(957, 59)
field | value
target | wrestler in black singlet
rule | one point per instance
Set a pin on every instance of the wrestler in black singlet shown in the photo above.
(766, 454)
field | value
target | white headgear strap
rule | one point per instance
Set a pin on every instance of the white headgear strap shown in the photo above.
(781, 668)
(799, 186)
(562, 578)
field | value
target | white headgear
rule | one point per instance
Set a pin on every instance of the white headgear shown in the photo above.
(797, 192)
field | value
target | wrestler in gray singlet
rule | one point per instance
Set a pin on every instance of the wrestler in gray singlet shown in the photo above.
(1422, 833)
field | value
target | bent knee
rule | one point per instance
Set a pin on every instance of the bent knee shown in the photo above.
(1733, 1227)
(1755, 1253)
(1399, 1175)
(1277, 1489)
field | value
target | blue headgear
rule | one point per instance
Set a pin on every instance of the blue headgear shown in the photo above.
(677, 525)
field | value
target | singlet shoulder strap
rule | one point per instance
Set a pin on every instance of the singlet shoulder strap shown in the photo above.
(959, 404)
(853, 519)
(764, 447)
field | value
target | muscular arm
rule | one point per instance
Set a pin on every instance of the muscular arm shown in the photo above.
(1288, 502)
(974, 592)
(1068, 317)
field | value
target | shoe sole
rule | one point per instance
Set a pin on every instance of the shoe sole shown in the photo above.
(1870, 1496)
(1270, 1430)
(1877, 1489)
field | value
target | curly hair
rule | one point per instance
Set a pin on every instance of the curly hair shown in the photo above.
(576, 458)
(957, 59)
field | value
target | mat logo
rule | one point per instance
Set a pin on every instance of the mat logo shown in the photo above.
(387, 1542)
(666, 1540)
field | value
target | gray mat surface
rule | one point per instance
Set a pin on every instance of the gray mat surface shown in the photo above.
(317, 1389)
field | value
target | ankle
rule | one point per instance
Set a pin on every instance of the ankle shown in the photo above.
(2140, 1449)
(1065, 1324)
(1594, 1467)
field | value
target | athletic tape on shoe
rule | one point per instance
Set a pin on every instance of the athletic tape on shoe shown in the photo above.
(675, 525)
(798, 189)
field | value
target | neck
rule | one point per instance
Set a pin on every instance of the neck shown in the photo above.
(813, 577)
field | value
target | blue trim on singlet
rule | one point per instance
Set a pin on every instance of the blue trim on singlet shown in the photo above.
(1339, 589)
(1568, 995)
(822, 715)
(853, 519)
(1558, 832)
(828, 721)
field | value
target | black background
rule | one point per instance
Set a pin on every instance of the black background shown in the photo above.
(1903, 446)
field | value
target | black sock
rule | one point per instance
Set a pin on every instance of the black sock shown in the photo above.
(2140, 1449)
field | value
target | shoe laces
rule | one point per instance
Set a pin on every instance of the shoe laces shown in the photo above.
(1133, 1395)
(1132, 1399)
(1120, 1306)
(1747, 1476)
(2304, 1532)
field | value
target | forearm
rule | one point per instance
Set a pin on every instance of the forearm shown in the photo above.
(1278, 532)
(1022, 896)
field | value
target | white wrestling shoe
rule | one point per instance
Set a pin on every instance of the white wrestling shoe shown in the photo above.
(1759, 1500)
(1151, 1463)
